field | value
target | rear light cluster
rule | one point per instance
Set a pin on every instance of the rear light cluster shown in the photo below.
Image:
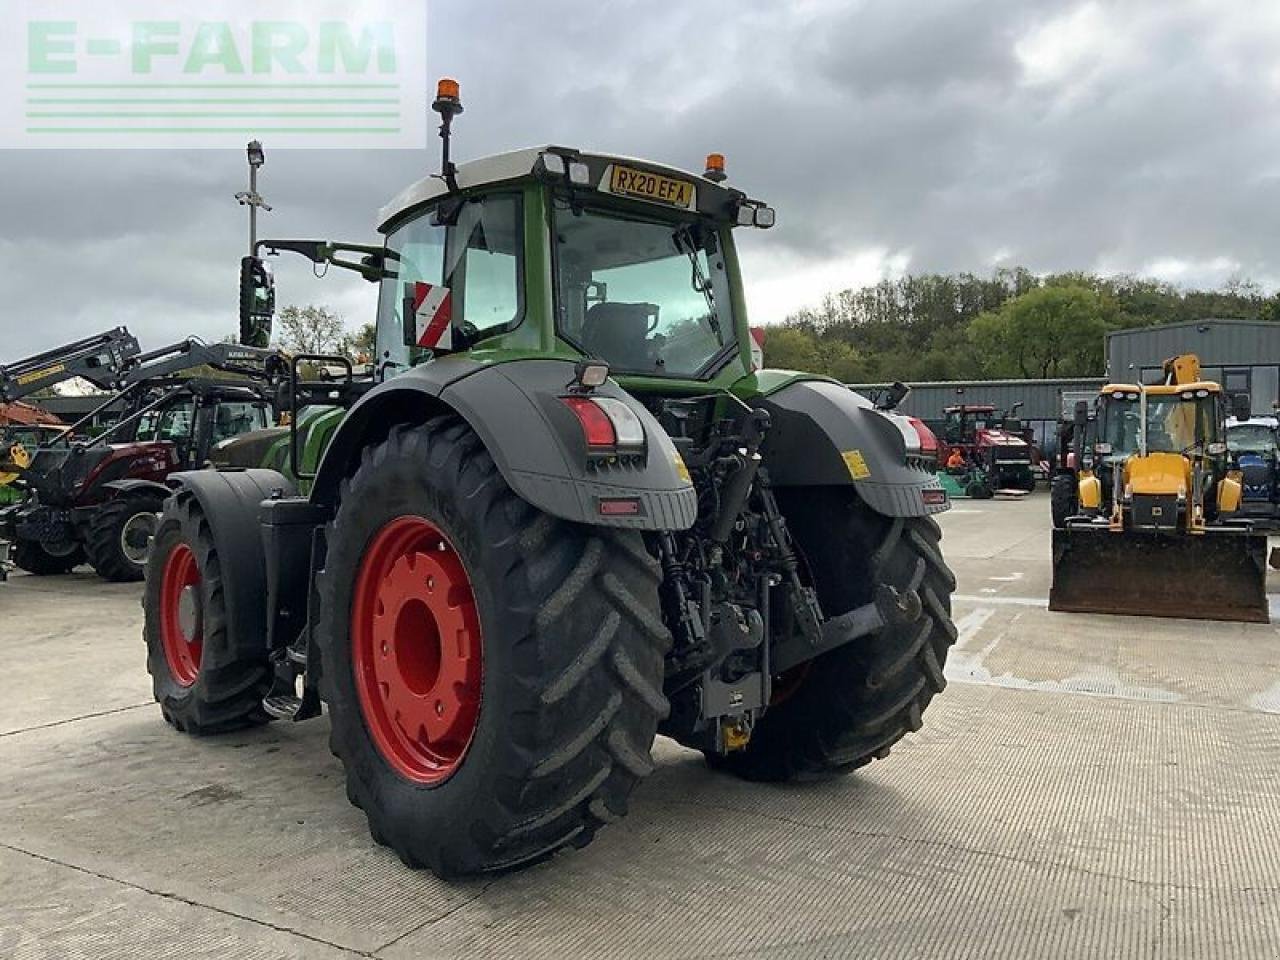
(928, 440)
(609, 426)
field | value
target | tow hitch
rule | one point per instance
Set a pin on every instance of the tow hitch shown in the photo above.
(889, 607)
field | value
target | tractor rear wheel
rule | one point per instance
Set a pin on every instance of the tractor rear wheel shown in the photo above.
(493, 674)
(120, 534)
(43, 561)
(851, 705)
(204, 682)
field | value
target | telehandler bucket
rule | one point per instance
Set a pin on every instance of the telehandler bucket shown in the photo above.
(1217, 575)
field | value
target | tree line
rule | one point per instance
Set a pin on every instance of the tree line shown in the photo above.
(1012, 324)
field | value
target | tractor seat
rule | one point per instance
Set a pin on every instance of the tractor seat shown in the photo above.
(618, 333)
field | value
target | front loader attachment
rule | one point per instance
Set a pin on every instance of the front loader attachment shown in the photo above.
(1217, 575)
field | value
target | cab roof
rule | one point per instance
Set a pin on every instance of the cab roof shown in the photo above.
(518, 164)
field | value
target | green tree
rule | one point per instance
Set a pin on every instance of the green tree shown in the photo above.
(310, 329)
(792, 347)
(361, 345)
(1052, 331)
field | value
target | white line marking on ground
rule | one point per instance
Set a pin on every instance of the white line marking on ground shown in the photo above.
(968, 626)
(1095, 681)
(1003, 601)
(1017, 575)
(1268, 701)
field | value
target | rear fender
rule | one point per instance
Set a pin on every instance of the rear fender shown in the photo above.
(230, 501)
(824, 434)
(131, 487)
(536, 441)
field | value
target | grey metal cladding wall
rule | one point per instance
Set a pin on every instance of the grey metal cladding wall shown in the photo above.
(1040, 398)
(1216, 342)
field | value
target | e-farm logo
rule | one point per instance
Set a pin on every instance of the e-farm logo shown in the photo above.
(157, 74)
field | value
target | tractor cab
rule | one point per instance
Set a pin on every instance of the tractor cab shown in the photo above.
(563, 252)
(963, 422)
(1182, 422)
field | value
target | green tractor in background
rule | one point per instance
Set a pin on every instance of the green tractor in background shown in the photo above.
(567, 514)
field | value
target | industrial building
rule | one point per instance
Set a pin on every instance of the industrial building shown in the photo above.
(1242, 355)
(1042, 400)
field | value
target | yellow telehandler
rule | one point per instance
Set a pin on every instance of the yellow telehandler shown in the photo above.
(1155, 530)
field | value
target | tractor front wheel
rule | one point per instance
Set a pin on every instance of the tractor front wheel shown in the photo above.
(205, 680)
(120, 535)
(46, 561)
(849, 706)
(1062, 499)
(493, 674)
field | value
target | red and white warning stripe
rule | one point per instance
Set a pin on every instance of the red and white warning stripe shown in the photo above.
(757, 348)
(433, 311)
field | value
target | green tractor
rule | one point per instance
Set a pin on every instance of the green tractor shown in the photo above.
(567, 515)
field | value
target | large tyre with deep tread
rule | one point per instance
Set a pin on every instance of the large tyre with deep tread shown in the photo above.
(33, 557)
(116, 541)
(851, 705)
(205, 680)
(1062, 499)
(564, 620)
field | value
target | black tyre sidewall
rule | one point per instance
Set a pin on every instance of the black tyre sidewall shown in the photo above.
(572, 645)
(105, 528)
(849, 549)
(1062, 495)
(491, 748)
(31, 556)
(230, 684)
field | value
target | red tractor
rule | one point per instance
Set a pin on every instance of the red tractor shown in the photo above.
(991, 449)
(100, 500)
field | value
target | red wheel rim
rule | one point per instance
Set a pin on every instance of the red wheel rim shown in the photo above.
(181, 632)
(416, 650)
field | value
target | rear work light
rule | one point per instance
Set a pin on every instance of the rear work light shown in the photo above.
(608, 424)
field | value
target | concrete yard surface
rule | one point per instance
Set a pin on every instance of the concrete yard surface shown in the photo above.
(1086, 786)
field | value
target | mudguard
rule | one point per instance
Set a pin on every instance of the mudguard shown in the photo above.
(824, 434)
(126, 487)
(536, 441)
(230, 500)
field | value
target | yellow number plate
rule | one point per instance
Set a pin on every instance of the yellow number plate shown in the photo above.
(629, 182)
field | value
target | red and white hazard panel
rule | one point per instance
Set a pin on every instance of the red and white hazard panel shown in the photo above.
(757, 348)
(432, 312)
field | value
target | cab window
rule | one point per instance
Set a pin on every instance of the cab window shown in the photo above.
(477, 259)
(233, 419)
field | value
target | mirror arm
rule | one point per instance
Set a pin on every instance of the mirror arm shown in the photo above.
(322, 251)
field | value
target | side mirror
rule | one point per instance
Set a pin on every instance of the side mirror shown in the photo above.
(1081, 413)
(257, 301)
(1241, 406)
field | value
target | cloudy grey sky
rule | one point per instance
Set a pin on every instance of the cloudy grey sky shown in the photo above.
(890, 135)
